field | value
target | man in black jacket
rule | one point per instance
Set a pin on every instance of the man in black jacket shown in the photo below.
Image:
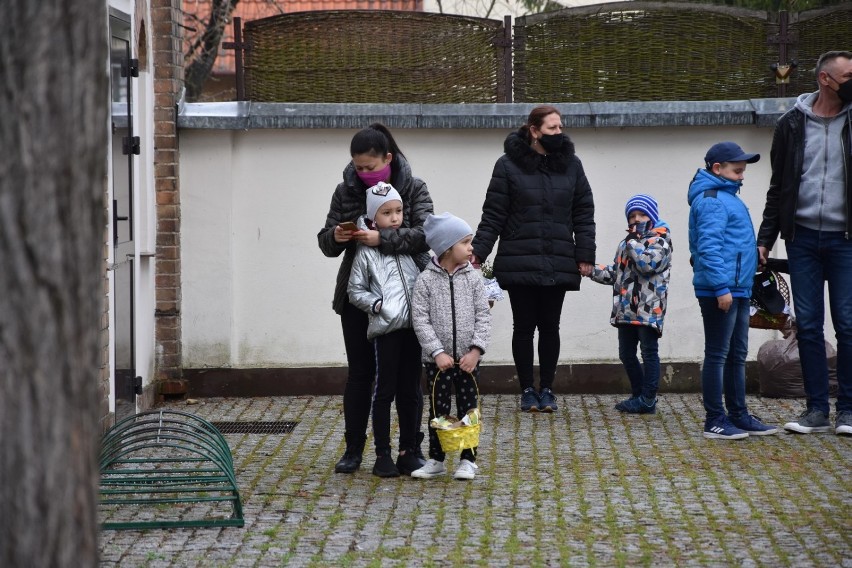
(809, 203)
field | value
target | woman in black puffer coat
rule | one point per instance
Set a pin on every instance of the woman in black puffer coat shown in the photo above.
(539, 203)
(375, 158)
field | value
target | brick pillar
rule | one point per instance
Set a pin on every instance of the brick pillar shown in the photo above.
(168, 80)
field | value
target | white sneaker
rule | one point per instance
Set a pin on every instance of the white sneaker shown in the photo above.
(433, 468)
(466, 470)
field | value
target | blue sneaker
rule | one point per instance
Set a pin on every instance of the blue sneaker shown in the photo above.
(529, 400)
(720, 428)
(620, 405)
(752, 425)
(638, 405)
(547, 401)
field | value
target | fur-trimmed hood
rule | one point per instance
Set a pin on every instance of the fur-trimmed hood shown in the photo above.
(542, 210)
(520, 152)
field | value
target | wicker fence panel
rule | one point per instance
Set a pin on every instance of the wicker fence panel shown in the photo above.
(816, 32)
(373, 57)
(642, 51)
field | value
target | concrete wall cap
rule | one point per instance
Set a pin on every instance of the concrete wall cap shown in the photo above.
(252, 115)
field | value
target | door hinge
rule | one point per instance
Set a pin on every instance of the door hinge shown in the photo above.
(131, 66)
(130, 145)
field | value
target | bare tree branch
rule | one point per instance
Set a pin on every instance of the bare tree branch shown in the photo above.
(203, 53)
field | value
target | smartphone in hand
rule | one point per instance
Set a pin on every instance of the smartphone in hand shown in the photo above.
(348, 226)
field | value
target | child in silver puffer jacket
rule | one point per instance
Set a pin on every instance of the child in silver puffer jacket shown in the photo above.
(381, 285)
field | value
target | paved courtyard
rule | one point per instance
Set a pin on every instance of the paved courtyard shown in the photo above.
(586, 486)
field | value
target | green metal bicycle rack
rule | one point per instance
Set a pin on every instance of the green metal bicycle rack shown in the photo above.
(161, 462)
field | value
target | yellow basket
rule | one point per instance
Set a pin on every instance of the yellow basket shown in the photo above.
(463, 437)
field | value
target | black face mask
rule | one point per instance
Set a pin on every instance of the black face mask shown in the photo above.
(844, 90)
(551, 142)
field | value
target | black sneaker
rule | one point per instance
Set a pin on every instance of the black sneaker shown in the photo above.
(408, 462)
(547, 401)
(529, 400)
(385, 467)
(349, 463)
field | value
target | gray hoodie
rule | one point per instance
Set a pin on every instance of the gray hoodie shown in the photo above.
(450, 312)
(822, 190)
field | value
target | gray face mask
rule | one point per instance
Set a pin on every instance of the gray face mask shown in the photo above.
(844, 90)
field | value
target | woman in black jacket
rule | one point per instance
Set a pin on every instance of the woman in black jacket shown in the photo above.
(540, 205)
(375, 158)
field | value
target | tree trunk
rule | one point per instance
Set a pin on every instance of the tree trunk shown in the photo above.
(204, 50)
(54, 100)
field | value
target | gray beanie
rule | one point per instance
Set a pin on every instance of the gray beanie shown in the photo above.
(443, 231)
(378, 195)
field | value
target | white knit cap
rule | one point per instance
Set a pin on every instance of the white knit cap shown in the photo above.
(443, 231)
(378, 195)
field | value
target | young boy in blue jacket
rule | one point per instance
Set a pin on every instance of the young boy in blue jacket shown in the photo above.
(724, 257)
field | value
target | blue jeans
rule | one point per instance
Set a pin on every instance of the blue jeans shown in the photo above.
(644, 381)
(725, 351)
(816, 257)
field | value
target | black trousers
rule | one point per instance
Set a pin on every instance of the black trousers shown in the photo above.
(398, 374)
(536, 307)
(358, 393)
(466, 398)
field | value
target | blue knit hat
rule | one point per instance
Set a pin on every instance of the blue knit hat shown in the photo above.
(645, 204)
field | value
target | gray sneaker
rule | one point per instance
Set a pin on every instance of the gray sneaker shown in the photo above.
(843, 423)
(809, 421)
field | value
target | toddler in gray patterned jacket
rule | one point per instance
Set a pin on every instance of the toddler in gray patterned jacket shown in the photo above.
(453, 324)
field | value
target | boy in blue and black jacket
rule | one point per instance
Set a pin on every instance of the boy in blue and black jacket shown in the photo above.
(724, 257)
(639, 277)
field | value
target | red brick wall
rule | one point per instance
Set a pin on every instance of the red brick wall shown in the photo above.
(168, 80)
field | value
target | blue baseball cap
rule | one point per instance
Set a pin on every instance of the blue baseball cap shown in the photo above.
(728, 152)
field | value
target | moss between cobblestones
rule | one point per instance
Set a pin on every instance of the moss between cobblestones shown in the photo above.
(586, 486)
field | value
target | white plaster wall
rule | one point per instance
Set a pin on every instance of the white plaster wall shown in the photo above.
(146, 208)
(257, 291)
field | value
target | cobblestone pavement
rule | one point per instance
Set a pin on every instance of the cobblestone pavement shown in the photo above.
(586, 486)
